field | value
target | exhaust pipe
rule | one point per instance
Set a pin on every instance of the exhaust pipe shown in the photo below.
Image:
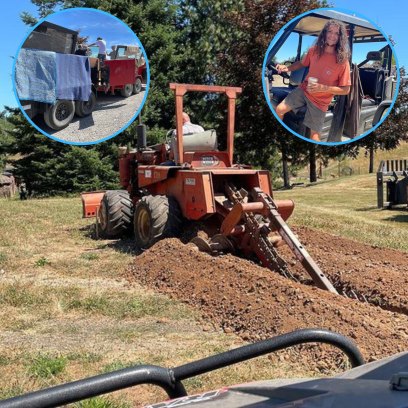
(141, 136)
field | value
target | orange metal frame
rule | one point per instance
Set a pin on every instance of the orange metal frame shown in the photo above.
(194, 186)
(90, 203)
(231, 92)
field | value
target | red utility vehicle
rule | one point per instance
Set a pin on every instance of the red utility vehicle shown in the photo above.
(127, 71)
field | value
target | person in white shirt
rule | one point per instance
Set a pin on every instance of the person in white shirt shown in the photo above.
(101, 43)
(190, 128)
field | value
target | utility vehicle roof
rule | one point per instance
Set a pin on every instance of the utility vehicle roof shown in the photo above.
(313, 23)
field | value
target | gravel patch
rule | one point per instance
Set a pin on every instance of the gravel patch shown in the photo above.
(111, 113)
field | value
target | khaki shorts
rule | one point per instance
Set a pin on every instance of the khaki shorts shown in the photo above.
(314, 117)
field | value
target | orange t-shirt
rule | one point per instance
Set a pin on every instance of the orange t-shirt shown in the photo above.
(328, 72)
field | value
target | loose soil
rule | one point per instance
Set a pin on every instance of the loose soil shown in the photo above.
(243, 297)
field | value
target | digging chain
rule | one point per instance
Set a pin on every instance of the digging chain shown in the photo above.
(259, 234)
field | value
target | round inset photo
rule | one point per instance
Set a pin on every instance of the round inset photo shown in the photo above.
(330, 77)
(81, 76)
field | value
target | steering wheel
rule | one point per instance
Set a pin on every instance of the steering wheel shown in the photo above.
(274, 71)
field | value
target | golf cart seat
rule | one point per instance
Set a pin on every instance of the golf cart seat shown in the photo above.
(279, 93)
(372, 81)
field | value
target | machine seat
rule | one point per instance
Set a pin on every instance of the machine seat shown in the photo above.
(372, 81)
(279, 93)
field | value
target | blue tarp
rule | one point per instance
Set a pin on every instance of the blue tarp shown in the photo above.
(73, 77)
(36, 75)
(45, 76)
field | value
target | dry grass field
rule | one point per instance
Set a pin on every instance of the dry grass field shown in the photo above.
(68, 312)
(68, 309)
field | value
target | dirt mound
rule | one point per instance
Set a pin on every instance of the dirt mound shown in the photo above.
(376, 275)
(256, 303)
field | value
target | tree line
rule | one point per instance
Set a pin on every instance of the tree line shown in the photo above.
(187, 41)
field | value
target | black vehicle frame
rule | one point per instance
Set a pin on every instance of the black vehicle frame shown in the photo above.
(379, 83)
(378, 384)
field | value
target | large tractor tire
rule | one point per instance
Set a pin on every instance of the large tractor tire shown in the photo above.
(137, 86)
(127, 90)
(115, 214)
(83, 108)
(156, 217)
(59, 115)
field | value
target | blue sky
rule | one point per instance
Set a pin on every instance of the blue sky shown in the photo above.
(390, 19)
(13, 32)
(389, 15)
(95, 24)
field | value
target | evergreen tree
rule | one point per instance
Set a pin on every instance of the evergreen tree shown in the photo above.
(6, 139)
(219, 42)
(49, 167)
(263, 136)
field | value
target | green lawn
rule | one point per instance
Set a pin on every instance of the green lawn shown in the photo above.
(358, 166)
(348, 207)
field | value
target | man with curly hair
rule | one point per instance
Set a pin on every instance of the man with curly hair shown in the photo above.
(329, 73)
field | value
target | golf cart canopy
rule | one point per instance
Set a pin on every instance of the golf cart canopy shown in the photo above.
(359, 30)
(313, 23)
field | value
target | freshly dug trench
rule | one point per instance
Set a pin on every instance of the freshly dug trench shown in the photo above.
(376, 275)
(256, 303)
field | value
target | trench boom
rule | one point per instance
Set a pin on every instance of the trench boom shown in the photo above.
(294, 244)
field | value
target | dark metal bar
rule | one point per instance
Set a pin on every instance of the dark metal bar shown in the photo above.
(281, 41)
(351, 38)
(100, 384)
(380, 190)
(299, 48)
(264, 347)
(141, 136)
(389, 59)
(170, 379)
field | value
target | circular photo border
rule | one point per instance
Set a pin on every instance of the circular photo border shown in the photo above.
(107, 137)
(274, 41)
